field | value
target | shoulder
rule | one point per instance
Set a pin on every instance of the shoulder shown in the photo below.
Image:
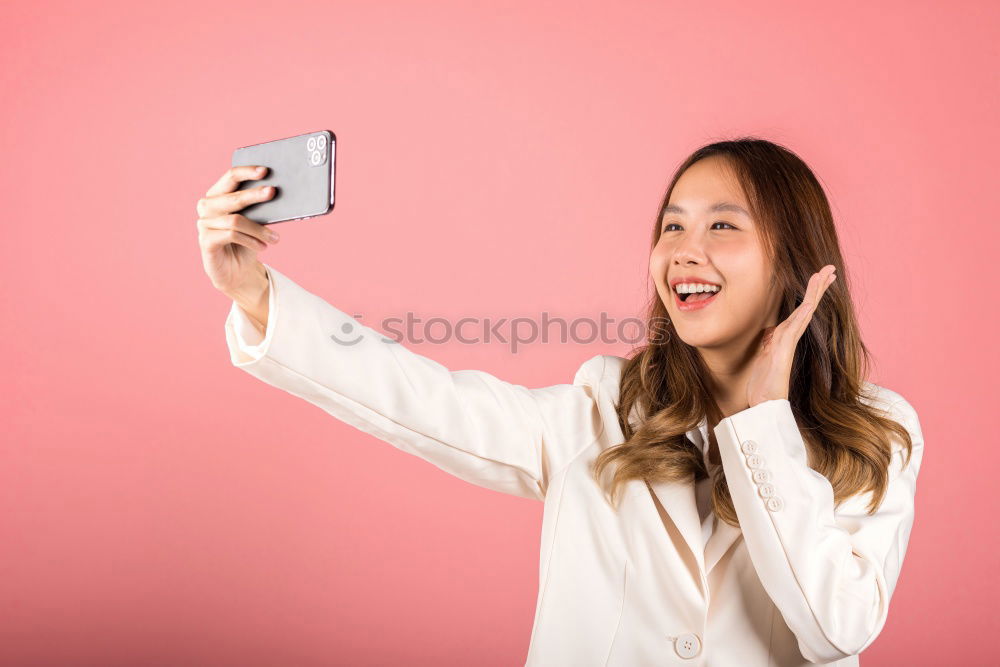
(896, 407)
(887, 400)
(601, 368)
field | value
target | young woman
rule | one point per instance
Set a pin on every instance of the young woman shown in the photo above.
(733, 493)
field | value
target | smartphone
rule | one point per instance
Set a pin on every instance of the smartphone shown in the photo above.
(301, 169)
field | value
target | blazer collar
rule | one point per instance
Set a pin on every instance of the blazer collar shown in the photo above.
(678, 500)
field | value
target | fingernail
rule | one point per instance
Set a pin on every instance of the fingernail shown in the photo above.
(273, 236)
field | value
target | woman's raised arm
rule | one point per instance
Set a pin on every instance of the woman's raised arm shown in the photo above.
(491, 433)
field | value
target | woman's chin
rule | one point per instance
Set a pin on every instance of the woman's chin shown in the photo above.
(698, 337)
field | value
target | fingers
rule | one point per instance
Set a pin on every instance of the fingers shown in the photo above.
(238, 227)
(223, 197)
(233, 177)
(214, 240)
(818, 284)
(221, 204)
(823, 279)
(798, 319)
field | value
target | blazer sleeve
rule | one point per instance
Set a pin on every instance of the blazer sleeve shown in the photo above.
(829, 571)
(498, 435)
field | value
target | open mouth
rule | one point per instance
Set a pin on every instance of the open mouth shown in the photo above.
(694, 296)
(688, 297)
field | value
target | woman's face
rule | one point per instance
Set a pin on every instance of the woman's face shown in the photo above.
(708, 237)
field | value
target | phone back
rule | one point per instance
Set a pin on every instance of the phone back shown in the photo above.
(301, 169)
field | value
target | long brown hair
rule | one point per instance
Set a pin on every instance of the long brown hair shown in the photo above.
(664, 383)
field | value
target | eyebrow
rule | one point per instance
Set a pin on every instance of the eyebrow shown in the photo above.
(721, 206)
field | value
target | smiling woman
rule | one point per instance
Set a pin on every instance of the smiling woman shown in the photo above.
(771, 371)
(743, 228)
(754, 410)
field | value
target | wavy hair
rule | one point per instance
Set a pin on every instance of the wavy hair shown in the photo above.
(664, 383)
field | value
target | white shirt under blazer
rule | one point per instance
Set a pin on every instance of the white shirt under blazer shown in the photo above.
(800, 582)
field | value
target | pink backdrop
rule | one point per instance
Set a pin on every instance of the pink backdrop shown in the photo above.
(160, 507)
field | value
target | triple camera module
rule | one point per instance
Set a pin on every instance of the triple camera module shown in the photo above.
(317, 147)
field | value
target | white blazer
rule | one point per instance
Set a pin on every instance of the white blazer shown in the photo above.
(801, 582)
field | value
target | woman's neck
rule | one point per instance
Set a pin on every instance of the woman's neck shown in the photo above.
(729, 371)
(729, 365)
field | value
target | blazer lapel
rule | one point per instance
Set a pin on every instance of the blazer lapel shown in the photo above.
(678, 501)
(723, 535)
(721, 541)
(663, 533)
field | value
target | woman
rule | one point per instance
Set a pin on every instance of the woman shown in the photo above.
(775, 537)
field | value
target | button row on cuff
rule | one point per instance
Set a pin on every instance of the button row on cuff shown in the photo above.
(761, 476)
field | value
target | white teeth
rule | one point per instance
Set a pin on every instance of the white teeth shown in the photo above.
(693, 288)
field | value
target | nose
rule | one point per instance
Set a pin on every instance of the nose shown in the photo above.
(689, 253)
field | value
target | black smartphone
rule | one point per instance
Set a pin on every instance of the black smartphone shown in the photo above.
(301, 169)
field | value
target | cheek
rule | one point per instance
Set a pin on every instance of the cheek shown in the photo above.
(658, 262)
(748, 301)
(744, 261)
(745, 272)
(749, 310)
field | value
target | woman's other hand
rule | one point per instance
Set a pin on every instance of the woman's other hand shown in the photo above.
(771, 368)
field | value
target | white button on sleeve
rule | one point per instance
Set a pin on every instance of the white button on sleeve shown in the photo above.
(828, 564)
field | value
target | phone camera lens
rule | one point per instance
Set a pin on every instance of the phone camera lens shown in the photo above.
(321, 141)
(316, 157)
(311, 144)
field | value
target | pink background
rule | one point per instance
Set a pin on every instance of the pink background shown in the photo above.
(160, 507)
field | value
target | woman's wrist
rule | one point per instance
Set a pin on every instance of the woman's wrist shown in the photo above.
(253, 298)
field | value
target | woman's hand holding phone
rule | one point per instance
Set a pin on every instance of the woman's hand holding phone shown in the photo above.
(230, 242)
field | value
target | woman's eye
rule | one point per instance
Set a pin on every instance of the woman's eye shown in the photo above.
(667, 227)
